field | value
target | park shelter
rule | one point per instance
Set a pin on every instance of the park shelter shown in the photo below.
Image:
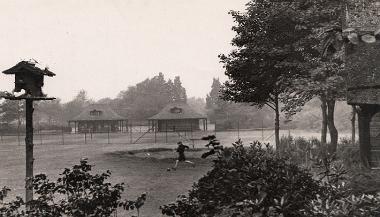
(362, 62)
(178, 117)
(98, 118)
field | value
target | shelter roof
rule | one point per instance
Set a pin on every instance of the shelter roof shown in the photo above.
(176, 111)
(98, 112)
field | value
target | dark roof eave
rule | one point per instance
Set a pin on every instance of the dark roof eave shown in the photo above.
(98, 120)
(160, 119)
(30, 67)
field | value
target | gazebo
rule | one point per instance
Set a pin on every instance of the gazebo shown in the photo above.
(177, 117)
(98, 118)
(363, 78)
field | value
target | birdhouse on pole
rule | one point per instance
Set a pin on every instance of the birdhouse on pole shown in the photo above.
(30, 78)
(361, 31)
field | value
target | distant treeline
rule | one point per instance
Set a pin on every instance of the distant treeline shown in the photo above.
(148, 97)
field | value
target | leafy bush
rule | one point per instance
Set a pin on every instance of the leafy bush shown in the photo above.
(351, 205)
(76, 193)
(300, 150)
(248, 181)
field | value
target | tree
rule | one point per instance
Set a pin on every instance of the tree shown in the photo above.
(198, 104)
(75, 106)
(230, 115)
(52, 109)
(322, 49)
(214, 104)
(265, 60)
(179, 92)
(213, 97)
(148, 97)
(12, 110)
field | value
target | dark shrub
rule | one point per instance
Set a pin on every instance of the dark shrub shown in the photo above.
(251, 180)
(76, 192)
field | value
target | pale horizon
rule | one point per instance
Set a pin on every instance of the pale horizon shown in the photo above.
(105, 46)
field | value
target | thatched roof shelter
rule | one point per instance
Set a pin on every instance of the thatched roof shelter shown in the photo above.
(98, 118)
(178, 116)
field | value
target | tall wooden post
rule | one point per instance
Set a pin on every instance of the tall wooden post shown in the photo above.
(29, 151)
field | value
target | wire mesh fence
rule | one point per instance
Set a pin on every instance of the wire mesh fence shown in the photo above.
(138, 135)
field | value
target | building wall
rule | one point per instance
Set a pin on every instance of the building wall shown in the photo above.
(98, 126)
(178, 125)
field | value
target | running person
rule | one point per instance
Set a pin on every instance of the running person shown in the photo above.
(181, 155)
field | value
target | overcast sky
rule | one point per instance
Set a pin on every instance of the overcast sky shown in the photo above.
(106, 46)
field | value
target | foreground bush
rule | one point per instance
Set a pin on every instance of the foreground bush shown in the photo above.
(76, 193)
(248, 181)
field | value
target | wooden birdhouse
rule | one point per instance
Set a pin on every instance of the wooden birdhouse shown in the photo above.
(362, 64)
(30, 78)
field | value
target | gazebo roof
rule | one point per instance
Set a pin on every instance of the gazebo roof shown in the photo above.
(30, 67)
(106, 114)
(177, 111)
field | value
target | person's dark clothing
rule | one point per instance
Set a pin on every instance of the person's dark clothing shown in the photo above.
(181, 151)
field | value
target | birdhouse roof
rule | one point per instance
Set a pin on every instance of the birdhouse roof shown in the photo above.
(362, 54)
(106, 114)
(176, 111)
(30, 67)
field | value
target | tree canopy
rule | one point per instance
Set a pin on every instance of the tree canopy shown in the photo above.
(149, 96)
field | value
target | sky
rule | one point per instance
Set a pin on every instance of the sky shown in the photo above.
(104, 46)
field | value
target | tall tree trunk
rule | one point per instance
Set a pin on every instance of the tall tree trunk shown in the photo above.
(277, 123)
(331, 125)
(324, 120)
(353, 125)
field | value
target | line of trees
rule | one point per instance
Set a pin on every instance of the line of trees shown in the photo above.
(230, 115)
(147, 98)
(136, 102)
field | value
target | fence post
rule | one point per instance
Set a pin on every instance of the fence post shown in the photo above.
(155, 133)
(215, 128)
(63, 136)
(130, 133)
(166, 132)
(85, 137)
(91, 133)
(1, 137)
(40, 136)
(18, 137)
(108, 135)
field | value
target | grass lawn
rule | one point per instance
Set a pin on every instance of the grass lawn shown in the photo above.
(140, 172)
